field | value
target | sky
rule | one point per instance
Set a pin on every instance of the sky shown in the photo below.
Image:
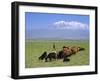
(56, 26)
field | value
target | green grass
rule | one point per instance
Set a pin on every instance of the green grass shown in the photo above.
(33, 49)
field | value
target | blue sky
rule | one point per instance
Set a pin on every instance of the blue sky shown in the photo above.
(56, 26)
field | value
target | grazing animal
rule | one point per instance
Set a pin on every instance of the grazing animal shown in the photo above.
(43, 56)
(63, 54)
(60, 54)
(51, 56)
(67, 52)
(75, 49)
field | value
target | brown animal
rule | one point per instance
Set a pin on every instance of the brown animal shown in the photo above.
(75, 49)
(68, 51)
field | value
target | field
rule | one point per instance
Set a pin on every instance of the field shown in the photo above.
(34, 48)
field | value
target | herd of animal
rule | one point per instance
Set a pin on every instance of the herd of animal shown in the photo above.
(62, 54)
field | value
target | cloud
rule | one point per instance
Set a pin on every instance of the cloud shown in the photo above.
(70, 25)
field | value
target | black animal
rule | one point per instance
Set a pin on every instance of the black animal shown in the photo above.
(66, 52)
(51, 56)
(60, 55)
(43, 56)
(66, 59)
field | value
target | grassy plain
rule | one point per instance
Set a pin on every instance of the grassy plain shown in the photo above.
(34, 48)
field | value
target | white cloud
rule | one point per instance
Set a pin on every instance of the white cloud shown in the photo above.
(70, 25)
